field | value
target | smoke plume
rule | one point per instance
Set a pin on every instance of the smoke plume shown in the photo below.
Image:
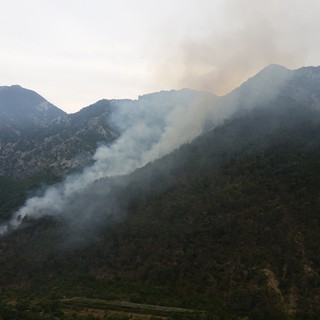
(150, 127)
(249, 35)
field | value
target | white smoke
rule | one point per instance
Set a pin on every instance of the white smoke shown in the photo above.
(150, 127)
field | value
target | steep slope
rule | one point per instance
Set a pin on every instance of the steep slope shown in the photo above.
(301, 85)
(69, 141)
(65, 143)
(22, 109)
(227, 223)
(231, 217)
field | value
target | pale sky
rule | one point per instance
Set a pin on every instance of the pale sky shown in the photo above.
(75, 52)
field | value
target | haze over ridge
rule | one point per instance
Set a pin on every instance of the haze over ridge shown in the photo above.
(127, 49)
(150, 128)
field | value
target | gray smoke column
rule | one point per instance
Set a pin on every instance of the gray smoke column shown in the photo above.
(150, 127)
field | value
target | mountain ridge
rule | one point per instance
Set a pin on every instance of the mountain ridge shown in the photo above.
(227, 223)
(70, 140)
(25, 109)
(65, 142)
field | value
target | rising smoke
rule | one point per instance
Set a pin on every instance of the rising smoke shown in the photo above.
(150, 128)
(217, 58)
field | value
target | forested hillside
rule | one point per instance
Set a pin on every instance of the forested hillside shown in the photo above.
(225, 227)
(228, 223)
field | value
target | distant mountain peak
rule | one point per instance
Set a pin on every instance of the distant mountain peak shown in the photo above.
(273, 71)
(15, 86)
(274, 66)
(23, 108)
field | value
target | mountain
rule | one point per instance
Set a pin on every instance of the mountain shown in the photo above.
(68, 141)
(301, 85)
(22, 109)
(37, 137)
(64, 144)
(227, 224)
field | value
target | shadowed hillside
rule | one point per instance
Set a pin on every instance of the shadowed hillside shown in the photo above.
(227, 224)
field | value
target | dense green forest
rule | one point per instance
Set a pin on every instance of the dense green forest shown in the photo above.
(226, 226)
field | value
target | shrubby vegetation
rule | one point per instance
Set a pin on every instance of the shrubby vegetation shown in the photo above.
(228, 224)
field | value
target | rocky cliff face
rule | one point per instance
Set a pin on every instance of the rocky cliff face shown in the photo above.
(65, 142)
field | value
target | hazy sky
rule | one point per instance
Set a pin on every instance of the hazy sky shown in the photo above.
(75, 52)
